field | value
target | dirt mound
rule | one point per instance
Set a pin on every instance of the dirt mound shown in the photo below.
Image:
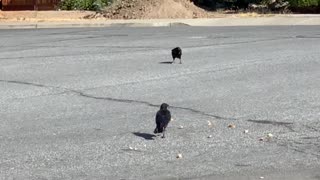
(152, 9)
(175, 9)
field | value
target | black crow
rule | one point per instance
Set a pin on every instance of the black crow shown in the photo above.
(163, 118)
(176, 53)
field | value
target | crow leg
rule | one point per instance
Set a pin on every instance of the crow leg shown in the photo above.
(163, 133)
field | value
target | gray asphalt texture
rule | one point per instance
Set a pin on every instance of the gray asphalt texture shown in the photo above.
(75, 103)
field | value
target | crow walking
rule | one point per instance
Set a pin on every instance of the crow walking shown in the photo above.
(163, 118)
(176, 53)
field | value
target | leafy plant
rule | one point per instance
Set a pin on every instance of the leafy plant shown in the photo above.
(91, 5)
(304, 3)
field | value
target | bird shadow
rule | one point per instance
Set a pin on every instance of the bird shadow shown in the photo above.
(146, 136)
(165, 62)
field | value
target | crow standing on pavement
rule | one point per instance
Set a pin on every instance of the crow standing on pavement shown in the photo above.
(163, 118)
(176, 53)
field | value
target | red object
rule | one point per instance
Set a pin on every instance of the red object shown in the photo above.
(16, 5)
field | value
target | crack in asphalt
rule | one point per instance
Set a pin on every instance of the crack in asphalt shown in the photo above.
(297, 149)
(82, 94)
(48, 56)
(307, 37)
(269, 122)
(312, 128)
(152, 47)
(275, 123)
(202, 113)
(66, 55)
(151, 105)
(25, 83)
(114, 99)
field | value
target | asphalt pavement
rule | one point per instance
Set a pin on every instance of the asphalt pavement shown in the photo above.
(80, 103)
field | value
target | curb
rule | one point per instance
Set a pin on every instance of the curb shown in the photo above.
(214, 22)
(88, 25)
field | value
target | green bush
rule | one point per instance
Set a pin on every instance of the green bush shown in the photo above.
(304, 3)
(91, 5)
(225, 4)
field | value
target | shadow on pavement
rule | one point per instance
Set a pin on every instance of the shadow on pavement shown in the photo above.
(166, 62)
(146, 136)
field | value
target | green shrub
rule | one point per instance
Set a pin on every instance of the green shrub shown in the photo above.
(226, 4)
(294, 4)
(303, 3)
(91, 5)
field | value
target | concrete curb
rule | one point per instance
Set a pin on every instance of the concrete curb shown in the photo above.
(79, 25)
(227, 21)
